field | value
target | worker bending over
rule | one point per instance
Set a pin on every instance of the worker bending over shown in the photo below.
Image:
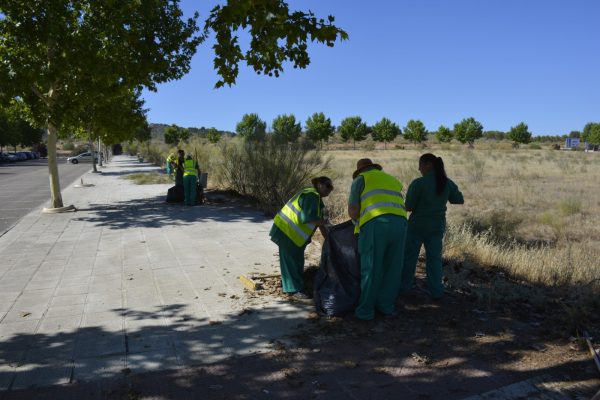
(292, 230)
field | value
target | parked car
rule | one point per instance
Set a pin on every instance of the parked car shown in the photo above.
(5, 157)
(83, 157)
(20, 156)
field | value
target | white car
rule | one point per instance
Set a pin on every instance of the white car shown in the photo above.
(83, 157)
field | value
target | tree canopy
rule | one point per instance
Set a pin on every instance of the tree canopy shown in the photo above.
(353, 128)
(251, 127)
(520, 134)
(277, 35)
(59, 56)
(415, 131)
(385, 131)
(213, 135)
(17, 131)
(593, 133)
(319, 128)
(286, 129)
(444, 134)
(588, 130)
(468, 130)
(175, 134)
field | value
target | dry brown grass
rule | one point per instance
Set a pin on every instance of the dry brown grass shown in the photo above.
(532, 213)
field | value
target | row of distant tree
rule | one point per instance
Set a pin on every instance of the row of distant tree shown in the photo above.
(318, 128)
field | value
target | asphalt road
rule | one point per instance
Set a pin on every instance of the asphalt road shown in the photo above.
(25, 186)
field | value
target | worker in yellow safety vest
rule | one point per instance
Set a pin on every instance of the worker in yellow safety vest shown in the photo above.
(190, 178)
(179, 167)
(377, 208)
(170, 161)
(292, 230)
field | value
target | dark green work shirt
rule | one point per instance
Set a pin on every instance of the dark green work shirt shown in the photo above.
(358, 185)
(310, 204)
(428, 207)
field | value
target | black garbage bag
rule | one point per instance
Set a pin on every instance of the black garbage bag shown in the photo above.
(337, 283)
(175, 194)
(199, 193)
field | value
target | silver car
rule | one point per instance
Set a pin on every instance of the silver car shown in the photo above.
(83, 157)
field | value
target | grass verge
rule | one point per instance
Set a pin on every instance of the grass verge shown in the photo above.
(149, 178)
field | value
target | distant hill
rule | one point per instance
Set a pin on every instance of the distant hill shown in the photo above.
(158, 131)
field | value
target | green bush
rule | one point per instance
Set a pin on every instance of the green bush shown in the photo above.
(131, 148)
(69, 146)
(79, 149)
(268, 172)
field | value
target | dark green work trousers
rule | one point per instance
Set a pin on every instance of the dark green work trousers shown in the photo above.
(381, 249)
(189, 189)
(433, 240)
(291, 261)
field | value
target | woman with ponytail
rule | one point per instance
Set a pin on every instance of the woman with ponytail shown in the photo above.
(426, 200)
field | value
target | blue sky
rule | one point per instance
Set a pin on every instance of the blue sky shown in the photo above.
(499, 61)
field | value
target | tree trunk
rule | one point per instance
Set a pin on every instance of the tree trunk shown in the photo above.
(354, 143)
(92, 151)
(100, 154)
(55, 196)
(385, 145)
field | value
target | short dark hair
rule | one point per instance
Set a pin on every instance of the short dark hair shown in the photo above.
(320, 179)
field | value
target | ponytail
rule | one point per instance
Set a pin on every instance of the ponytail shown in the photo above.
(440, 172)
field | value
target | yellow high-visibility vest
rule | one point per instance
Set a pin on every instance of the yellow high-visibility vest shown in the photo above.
(189, 168)
(382, 195)
(288, 219)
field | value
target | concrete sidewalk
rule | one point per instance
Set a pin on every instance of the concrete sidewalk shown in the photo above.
(129, 283)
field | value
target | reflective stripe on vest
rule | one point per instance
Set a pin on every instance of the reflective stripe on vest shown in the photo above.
(189, 168)
(288, 219)
(382, 195)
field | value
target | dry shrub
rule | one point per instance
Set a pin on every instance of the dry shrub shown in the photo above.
(153, 152)
(268, 172)
(501, 225)
(206, 153)
(555, 267)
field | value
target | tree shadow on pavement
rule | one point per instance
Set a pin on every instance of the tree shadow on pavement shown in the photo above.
(324, 358)
(133, 341)
(155, 212)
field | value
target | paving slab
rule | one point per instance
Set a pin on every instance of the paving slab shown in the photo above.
(129, 281)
